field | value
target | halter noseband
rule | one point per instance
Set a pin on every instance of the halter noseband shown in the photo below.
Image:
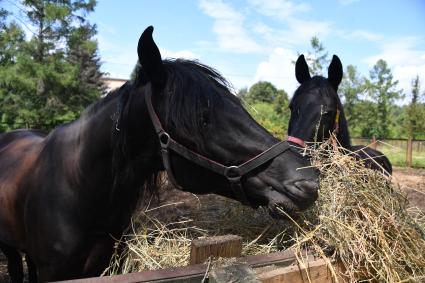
(232, 173)
(335, 130)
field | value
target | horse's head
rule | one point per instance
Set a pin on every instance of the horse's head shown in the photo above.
(205, 133)
(315, 106)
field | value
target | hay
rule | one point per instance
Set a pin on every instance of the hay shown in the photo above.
(361, 219)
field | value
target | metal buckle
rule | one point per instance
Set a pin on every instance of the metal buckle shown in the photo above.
(164, 139)
(233, 174)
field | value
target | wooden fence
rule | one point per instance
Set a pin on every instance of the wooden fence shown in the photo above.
(408, 149)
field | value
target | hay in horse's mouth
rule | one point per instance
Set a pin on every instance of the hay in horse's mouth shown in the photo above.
(360, 219)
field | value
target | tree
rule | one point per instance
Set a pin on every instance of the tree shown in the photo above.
(268, 105)
(82, 52)
(52, 77)
(350, 88)
(382, 90)
(262, 92)
(317, 58)
(3, 16)
(415, 114)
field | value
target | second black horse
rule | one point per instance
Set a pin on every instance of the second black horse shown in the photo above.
(316, 112)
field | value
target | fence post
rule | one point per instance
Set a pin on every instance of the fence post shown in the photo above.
(373, 144)
(409, 152)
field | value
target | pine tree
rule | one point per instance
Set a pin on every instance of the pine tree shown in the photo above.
(415, 114)
(350, 89)
(55, 74)
(317, 58)
(82, 52)
(382, 89)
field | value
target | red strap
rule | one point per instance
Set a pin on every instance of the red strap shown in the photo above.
(296, 140)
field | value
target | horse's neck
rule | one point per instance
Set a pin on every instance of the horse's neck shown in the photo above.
(94, 131)
(119, 133)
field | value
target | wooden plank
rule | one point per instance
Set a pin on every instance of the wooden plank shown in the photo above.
(235, 273)
(409, 152)
(317, 272)
(218, 246)
(192, 273)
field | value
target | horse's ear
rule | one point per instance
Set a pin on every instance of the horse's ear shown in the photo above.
(150, 58)
(335, 72)
(301, 70)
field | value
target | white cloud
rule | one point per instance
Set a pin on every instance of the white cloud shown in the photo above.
(281, 9)
(405, 75)
(303, 30)
(299, 32)
(400, 51)
(186, 54)
(279, 70)
(119, 60)
(360, 34)
(229, 27)
(405, 60)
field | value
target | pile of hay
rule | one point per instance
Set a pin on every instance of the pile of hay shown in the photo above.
(361, 219)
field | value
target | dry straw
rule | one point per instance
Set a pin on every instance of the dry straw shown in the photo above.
(361, 220)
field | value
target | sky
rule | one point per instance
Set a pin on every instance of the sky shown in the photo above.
(252, 40)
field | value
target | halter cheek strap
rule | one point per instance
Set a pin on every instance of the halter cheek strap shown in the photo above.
(232, 173)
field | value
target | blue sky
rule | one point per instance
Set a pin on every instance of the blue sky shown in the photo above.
(252, 40)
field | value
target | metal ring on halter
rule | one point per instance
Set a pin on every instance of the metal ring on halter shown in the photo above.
(164, 139)
(233, 174)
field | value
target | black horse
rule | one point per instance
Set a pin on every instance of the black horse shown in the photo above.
(67, 195)
(316, 112)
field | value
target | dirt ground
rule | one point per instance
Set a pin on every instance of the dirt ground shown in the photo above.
(411, 181)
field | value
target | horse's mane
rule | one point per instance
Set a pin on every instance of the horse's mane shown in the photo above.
(127, 166)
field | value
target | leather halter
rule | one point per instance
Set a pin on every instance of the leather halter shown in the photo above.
(335, 131)
(232, 173)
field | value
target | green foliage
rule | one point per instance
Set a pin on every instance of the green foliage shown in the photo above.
(265, 114)
(317, 57)
(52, 77)
(268, 106)
(262, 92)
(415, 114)
(351, 87)
(381, 89)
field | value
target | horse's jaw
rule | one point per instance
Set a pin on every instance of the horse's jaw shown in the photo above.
(281, 200)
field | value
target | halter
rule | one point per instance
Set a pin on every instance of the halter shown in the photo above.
(335, 131)
(232, 173)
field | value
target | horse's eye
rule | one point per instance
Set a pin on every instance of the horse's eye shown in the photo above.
(205, 121)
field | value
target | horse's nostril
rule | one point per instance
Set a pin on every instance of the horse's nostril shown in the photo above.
(307, 185)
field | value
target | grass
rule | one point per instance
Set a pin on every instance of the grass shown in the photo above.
(396, 152)
(397, 156)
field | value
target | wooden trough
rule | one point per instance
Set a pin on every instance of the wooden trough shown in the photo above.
(269, 268)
